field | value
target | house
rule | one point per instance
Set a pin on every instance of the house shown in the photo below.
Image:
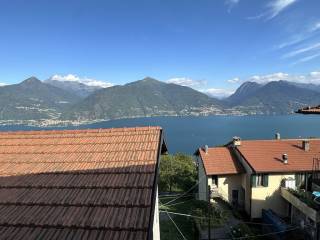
(261, 174)
(309, 110)
(80, 184)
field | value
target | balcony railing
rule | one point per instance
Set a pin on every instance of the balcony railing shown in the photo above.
(303, 202)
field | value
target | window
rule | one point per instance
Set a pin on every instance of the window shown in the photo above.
(259, 180)
(300, 180)
(215, 180)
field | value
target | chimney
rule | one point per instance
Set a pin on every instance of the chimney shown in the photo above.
(206, 148)
(285, 158)
(277, 136)
(306, 145)
(236, 141)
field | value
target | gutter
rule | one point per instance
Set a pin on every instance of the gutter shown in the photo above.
(253, 171)
(154, 188)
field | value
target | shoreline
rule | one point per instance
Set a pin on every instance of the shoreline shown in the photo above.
(74, 123)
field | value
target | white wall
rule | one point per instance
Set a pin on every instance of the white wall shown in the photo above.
(269, 197)
(156, 225)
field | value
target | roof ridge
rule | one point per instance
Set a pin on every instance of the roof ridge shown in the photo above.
(281, 140)
(74, 152)
(92, 130)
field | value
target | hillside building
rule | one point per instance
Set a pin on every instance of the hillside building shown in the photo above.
(264, 174)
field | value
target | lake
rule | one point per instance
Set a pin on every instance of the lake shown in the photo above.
(186, 134)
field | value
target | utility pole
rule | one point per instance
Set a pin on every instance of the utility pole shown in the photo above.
(209, 213)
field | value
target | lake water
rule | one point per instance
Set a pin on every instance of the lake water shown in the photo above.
(186, 134)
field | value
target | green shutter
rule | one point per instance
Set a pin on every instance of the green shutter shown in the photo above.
(253, 180)
(265, 180)
(298, 179)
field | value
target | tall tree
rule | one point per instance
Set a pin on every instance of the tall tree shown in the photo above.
(177, 173)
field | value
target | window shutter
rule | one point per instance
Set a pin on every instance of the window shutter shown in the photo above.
(253, 180)
(298, 179)
(265, 180)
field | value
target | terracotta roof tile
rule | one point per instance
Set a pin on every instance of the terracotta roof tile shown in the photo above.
(77, 184)
(220, 160)
(266, 155)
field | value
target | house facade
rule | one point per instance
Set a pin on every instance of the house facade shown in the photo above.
(250, 175)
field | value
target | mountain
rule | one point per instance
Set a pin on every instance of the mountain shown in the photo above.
(245, 90)
(309, 86)
(147, 97)
(33, 100)
(73, 87)
(278, 97)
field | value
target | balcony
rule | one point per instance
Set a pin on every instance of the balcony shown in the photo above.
(303, 201)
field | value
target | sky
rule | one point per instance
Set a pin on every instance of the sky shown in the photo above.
(210, 45)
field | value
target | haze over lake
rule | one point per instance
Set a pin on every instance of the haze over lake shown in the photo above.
(186, 134)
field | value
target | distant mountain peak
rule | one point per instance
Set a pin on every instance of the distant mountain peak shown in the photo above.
(149, 79)
(145, 81)
(31, 80)
(245, 90)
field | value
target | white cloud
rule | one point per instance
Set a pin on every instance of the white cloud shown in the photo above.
(256, 17)
(274, 8)
(312, 77)
(307, 59)
(231, 3)
(315, 27)
(218, 92)
(278, 6)
(309, 32)
(306, 49)
(234, 80)
(3, 84)
(188, 82)
(201, 85)
(269, 77)
(83, 80)
(295, 40)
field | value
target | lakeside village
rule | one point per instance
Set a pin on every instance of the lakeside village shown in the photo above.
(122, 183)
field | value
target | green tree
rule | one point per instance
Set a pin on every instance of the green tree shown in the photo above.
(177, 173)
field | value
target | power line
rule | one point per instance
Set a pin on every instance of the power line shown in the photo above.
(177, 195)
(193, 216)
(186, 191)
(173, 204)
(177, 227)
(263, 235)
(183, 214)
(246, 237)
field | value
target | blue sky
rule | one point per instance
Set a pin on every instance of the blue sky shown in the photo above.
(211, 45)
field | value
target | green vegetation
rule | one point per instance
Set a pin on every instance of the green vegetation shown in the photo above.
(218, 217)
(278, 97)
(305, 197)
(242, 230)
(177, 173)
(33, 100)
(187, 225)
(190, 206)
(147, 97)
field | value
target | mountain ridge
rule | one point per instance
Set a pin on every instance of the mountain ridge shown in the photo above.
(146, 97)
(34, 100)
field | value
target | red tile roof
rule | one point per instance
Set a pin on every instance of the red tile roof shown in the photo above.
(78, 184)
(220, 160)
(266, 155)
